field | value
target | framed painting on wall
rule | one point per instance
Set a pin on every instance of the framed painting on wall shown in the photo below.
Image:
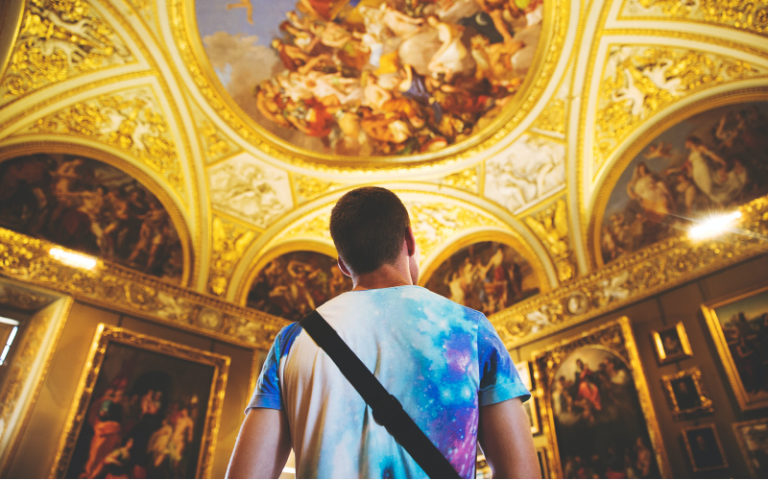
(144, 408)
(739, 328)
(753, 442)
(543, 457)
(686, 394)
(596, 409)
(531, 407)
(672, 344)
(704, 448)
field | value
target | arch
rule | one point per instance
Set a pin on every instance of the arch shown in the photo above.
(167, 199)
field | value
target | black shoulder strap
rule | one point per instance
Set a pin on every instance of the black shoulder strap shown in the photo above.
(387, 410)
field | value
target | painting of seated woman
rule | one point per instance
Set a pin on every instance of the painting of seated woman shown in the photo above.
(91, 207)
(294, 284)
(713, 161)
(486, 276)
(371, 77)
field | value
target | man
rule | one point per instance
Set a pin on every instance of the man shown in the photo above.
(444, 362)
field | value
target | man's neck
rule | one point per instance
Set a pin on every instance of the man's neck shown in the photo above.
(386, 276)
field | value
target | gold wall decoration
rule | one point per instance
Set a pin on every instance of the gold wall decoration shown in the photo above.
(750, 16)
(147, 10)
(631, 278)
(230, 240)
(552, 119)
(23, 299)
(613, 345)
(60, 40)
(27, 259)
(216, 145)
(308, 188)
(639, 81)
(467, 180)
(130, 120)
(550, 225)
(686, 394)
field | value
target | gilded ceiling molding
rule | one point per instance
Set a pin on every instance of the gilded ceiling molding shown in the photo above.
(59, 41)
(26, 259)
(230, 240)
(147, 11)
(130, 120)
(214, 144)
(557, 17)
(638, 81)
(552, 119)
(749, 16)
(467, 180)
(20, 298)
(308, 188)
(550, 225)
(168, 198)
(632, 278)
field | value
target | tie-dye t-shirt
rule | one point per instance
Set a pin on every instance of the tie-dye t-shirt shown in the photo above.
(440, 359)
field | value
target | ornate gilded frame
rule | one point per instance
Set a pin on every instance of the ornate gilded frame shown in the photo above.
(661, 352)
(604, 189)
(548, 52)
(616, 337)
(690, 451)
(543, 457)
(105, 335)
(174, 210)
(718, 337)
(524, 370)
(743, 443)
(701, 391)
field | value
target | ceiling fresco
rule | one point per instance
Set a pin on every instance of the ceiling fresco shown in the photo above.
(524, 120)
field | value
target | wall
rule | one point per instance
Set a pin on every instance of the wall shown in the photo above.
(40, 440)
(683, 304)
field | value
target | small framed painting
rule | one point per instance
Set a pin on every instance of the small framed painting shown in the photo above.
(687, 394)
(672, 344)
(541, 454)
(704, 448)
(145, 408)
(753, 442)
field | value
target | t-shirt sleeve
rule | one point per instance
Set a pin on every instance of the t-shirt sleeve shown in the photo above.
(267, 393)
(499, 380)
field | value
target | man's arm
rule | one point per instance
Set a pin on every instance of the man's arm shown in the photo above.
(505, 437)
(263, 445)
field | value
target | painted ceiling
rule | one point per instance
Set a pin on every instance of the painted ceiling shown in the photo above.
(133, 83)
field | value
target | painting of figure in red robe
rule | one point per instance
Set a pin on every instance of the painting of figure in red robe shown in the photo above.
(294, 284)
(371, 77)
(486, 276)
(91, 207)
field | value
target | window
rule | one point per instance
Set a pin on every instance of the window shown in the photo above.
(8, 330)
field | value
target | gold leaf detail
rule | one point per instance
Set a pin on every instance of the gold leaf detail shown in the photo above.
(551, 227)
(309, 187)
(216, 144)
(229, 244)
(640, 81)
(464, 180)
(552, 119)
(749, 16)
(60, 39)
(434, 223)
(318, 227)
(131, 122)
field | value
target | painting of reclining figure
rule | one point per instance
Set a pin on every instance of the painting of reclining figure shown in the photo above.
(371, 77)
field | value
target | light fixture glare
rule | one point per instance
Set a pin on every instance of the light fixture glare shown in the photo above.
(77, 260)
(714, 226)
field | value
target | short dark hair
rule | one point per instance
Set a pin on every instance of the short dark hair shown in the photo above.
(368, 226)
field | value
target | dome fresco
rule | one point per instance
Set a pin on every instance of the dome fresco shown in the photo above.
(371, 77)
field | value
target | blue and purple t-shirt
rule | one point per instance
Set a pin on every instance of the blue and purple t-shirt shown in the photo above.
(440, 359)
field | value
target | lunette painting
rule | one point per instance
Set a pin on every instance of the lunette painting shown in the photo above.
(371, 77)
(710, 162)
(92, 207)
(145, 418)
(486, 276)
(295, 283)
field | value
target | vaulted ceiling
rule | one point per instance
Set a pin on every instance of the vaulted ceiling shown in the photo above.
(145, 99)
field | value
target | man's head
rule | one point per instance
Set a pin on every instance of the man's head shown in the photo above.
(371, 228)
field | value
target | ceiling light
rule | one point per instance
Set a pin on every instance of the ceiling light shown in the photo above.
(713, 226)
(77, 260)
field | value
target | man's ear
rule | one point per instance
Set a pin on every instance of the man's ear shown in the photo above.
(343, 267)
(410, 241)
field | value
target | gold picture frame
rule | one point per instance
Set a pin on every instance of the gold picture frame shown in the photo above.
(613, 343)
(750, 446)
(700, 442)
(108, 340)
(672, 344)
(734, 336)
(543, 457)
(686, 394)
(531, 406)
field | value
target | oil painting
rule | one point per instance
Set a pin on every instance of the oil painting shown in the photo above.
(148, 409)
(752, 436)
(486, 276)
(598, 407)
(294, 284)
(672, 344)
(704, 448)
(687, 396)
(713, 161)
(91, 207)
(371, 77)
(739, 328)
